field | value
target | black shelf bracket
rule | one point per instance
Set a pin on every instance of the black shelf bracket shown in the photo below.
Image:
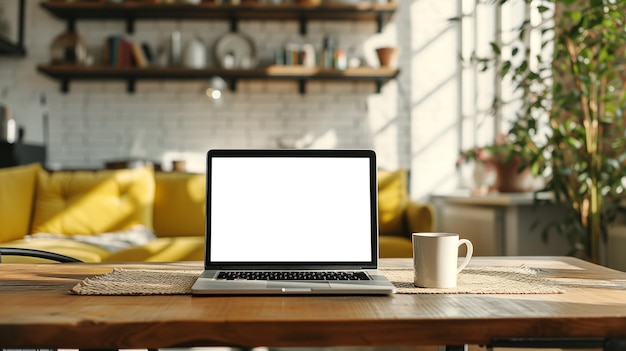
(303, 25)
(20, 27)
(65, 85)
(71, 25)
(232, 85)
(302, 86)
(380, 22)
(130, 25)
(379, 85)
(234, 23)
(130, 86)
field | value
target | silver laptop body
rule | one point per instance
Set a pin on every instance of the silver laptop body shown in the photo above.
(291, 222)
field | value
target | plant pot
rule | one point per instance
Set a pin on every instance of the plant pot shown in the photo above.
(509, 179)
(388, 57)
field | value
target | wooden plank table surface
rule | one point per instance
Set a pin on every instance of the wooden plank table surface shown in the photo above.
(38, 311)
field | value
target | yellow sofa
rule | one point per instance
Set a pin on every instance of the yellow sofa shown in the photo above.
(142, 215)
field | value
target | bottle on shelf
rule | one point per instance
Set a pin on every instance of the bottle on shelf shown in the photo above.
(327, 56)
(341, 60)
(308, 55)
(175, 49)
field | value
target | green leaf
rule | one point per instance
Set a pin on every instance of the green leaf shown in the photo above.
(542, 8)
(575, 16)
(575, 143)
(506, 66)
(495, 48)
(602, 57)
(522, 67)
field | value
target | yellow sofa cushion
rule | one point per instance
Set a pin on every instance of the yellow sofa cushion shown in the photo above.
(420, 217)
(17, 190)
(87, 202)
(394, 246)
(393, 198)
(179, 204)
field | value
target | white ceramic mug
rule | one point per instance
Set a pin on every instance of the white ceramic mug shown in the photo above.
(435, 259)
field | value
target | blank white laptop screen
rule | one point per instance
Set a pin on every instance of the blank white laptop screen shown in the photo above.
(286, 209)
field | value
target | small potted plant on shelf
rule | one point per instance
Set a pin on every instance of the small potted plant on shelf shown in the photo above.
(509, 157)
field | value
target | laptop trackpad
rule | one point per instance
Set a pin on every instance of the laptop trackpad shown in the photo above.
(313, 285)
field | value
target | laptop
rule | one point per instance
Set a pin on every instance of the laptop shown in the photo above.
(291, 222)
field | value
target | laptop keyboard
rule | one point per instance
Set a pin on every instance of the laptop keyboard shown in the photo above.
(294, 275)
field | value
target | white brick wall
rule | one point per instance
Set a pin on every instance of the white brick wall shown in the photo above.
(412, 123)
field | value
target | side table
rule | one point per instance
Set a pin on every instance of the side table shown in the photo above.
(508, 224)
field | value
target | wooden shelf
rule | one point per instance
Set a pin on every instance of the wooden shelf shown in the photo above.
(138, 10)
(131, 11)
(67, 73)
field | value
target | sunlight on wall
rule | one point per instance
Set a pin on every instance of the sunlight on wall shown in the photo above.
(434, 97)
(324, 140)
(478, 126)
(383, 122)
(451, 95)
(195, 162)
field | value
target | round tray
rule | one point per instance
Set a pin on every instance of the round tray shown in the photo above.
(235, 50)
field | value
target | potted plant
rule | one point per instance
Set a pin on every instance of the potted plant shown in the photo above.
(507, 159)
(572, 125)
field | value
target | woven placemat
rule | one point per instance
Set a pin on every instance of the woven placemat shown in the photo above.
(139, 282)
(483, 280)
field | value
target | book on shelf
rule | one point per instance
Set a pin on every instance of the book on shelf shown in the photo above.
(139, 58)
(121, 52)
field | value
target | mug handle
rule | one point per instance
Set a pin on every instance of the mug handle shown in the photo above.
(468, 256)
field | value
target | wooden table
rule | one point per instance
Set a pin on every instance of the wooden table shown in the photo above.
(37, 311)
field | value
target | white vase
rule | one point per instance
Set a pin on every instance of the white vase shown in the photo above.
(483, 176)
(195, 54)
